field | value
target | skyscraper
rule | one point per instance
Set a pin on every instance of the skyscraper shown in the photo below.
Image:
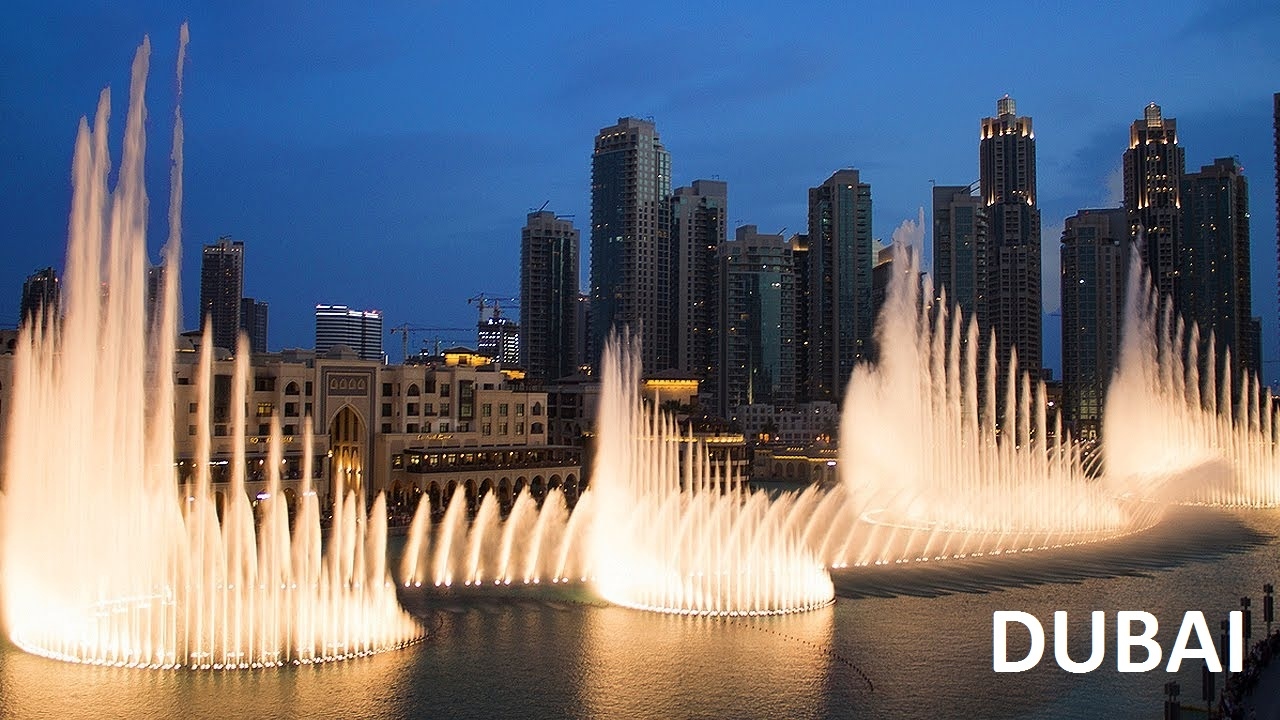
(698, 227)
(40, 296)
(548, 296)
(799, 243)
(631, 262)
(1153, 168)
(1007, 185)
(1095, 265)
(499, 338)
(757, 322)
(221, 288)
(839, 267)
(1275, 127)
(1213, 287)
(960, 246)
(253, 321)
(360, 330)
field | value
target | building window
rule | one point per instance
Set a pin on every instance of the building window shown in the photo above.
(192, 407)
(411, 428)
(535, 428)
(429, 386)
(502, 428)
(291, 409)
(502, 409)
(386, 389)
(464, 427)
(519, 428)
(386, 427)
(426, 427)
(413, 390)
(306, 409)
(411, 409)
(444, 408)
(386, 409)
(444, 389)
(309, 387)
(191, 429)
(264, 384)
(486, 428)
(486, 410)
(266, 409)
(537, 409)
(290, 430)
(291, 389)
(264, 429)
(444, 427)
(519, 409)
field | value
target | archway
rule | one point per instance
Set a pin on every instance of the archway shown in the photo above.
(505, 496)
(433, 496)
(347, 452)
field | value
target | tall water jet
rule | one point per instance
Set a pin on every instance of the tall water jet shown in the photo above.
(927, 463)
(1176, 427)
(680, 534)
(105, 559)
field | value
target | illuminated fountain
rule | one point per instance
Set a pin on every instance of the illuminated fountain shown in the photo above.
(662, 528)
(106, 560)
(929, 473)
(1178, 435)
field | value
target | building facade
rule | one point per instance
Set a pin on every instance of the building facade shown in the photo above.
(221, 288)
(253, 321)
(549, 299)
(756, 323)
(1153, 169)
(1095, 266)
(1007, 186)
(698, 228)
(360, 330)
(960, 246)
(840, 314)
(41, 293)
(499, 338)
(631, 253)
(1214, 288)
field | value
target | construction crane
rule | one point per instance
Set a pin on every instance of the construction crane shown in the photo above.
(491, 300)
(406, 329)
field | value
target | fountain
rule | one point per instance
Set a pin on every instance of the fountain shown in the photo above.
(930, 473)
(105, 559)
(1174, 429)
(662, 528)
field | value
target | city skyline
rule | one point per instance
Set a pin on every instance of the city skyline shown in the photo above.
(388, 178)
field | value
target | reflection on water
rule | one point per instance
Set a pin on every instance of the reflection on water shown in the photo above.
(561, 653)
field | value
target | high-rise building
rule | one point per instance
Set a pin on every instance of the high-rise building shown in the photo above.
(221, 288)
(1007, 185)
(960, 246)
(756, 345)
(499, 338)
(1213, 288)
(799, 243)
(631, 263)
(40, 296)
(698, 227)
(1153, 169)
(155, 292)
(840, 261)
(253, 321)
(548, 296)
(1275, 127)
(1095, 265)
(360, 330)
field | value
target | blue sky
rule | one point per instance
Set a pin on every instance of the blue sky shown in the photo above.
(386, 157)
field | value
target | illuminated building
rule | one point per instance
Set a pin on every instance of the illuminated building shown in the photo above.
(1153, 169)
(549, 299)
(1214, 288)
(360, 330)
(1095, 265)
(840, 313)
(631, 253)
(757, 362)
(1007, 187)
(221, 288)
(698, 228)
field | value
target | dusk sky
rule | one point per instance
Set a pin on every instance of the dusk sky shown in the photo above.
(388, 159)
